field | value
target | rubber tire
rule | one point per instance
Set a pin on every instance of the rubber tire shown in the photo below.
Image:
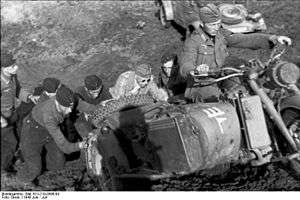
(114, 184)
(230, 20)
(116, 105)
(288, 117)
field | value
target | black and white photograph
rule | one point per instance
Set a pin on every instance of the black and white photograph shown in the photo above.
(152, 96)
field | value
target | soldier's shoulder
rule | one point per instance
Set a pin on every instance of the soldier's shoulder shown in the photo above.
(225, 32)
(197, 38)
(126, 76)
(46, 105)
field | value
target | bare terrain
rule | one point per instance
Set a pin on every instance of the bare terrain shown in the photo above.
(72, 40)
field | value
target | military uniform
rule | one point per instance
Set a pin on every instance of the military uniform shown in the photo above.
(25, 108)
(41, 130)
(174, 85)
(84, 95)
(10, 91)
(202, 49)
(81, 124)
(127, 85)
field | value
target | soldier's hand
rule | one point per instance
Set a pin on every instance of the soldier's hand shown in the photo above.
(203, 68)
(103, 103)
(83, 144)
(3, 122)
(284, 40)
(34, 99)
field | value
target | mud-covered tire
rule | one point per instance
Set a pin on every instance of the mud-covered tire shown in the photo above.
(290, 118)
(107, 182)
(294, 167)
(116, 105)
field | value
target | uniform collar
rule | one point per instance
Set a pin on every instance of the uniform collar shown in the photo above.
(58, 114)
(206, 38)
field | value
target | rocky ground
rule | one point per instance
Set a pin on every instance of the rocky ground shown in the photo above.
(72, 40)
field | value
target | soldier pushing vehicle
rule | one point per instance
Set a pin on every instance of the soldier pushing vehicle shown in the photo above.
(41, 130)
(10, 92)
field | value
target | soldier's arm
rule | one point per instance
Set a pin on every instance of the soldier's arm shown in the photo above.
(251, 41)
(160, 83)
(158, 93)
(51, 125)
(118, 90)
(7, 106)
(106, 94)
(22, 93)
(188, 57)
(85, 107)
(83, 127)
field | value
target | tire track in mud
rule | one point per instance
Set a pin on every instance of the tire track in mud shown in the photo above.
(266, 178)
(271, 177)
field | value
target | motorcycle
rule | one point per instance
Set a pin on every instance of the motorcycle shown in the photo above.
(159, 140)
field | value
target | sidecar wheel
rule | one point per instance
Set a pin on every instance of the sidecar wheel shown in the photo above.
(291, 118)
(107, 181)
(294, 166)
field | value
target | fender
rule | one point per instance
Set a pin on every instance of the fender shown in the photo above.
(290, 102)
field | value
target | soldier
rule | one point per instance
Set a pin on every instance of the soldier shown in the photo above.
(41, 130)
(10, 91)
(208, 49)
(44, 92)
(93, 92)
(169, 77)
(50, 86)
(136, 82)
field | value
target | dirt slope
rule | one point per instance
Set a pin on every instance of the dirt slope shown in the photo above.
(71, 41)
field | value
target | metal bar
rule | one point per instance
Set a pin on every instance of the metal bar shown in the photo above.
(183, 144)
(151, 177)
(241, 114)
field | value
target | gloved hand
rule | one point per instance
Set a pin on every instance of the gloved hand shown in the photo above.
(202, 69)
(83, 145)
(281, 39)
(33, 98)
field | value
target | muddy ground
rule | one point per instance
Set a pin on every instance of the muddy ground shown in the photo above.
(105, 40)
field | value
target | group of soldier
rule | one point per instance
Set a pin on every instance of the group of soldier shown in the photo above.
(38, 127)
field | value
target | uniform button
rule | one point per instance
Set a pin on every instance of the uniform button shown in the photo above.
(205, 53)
(28, 121)
(36, 126)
